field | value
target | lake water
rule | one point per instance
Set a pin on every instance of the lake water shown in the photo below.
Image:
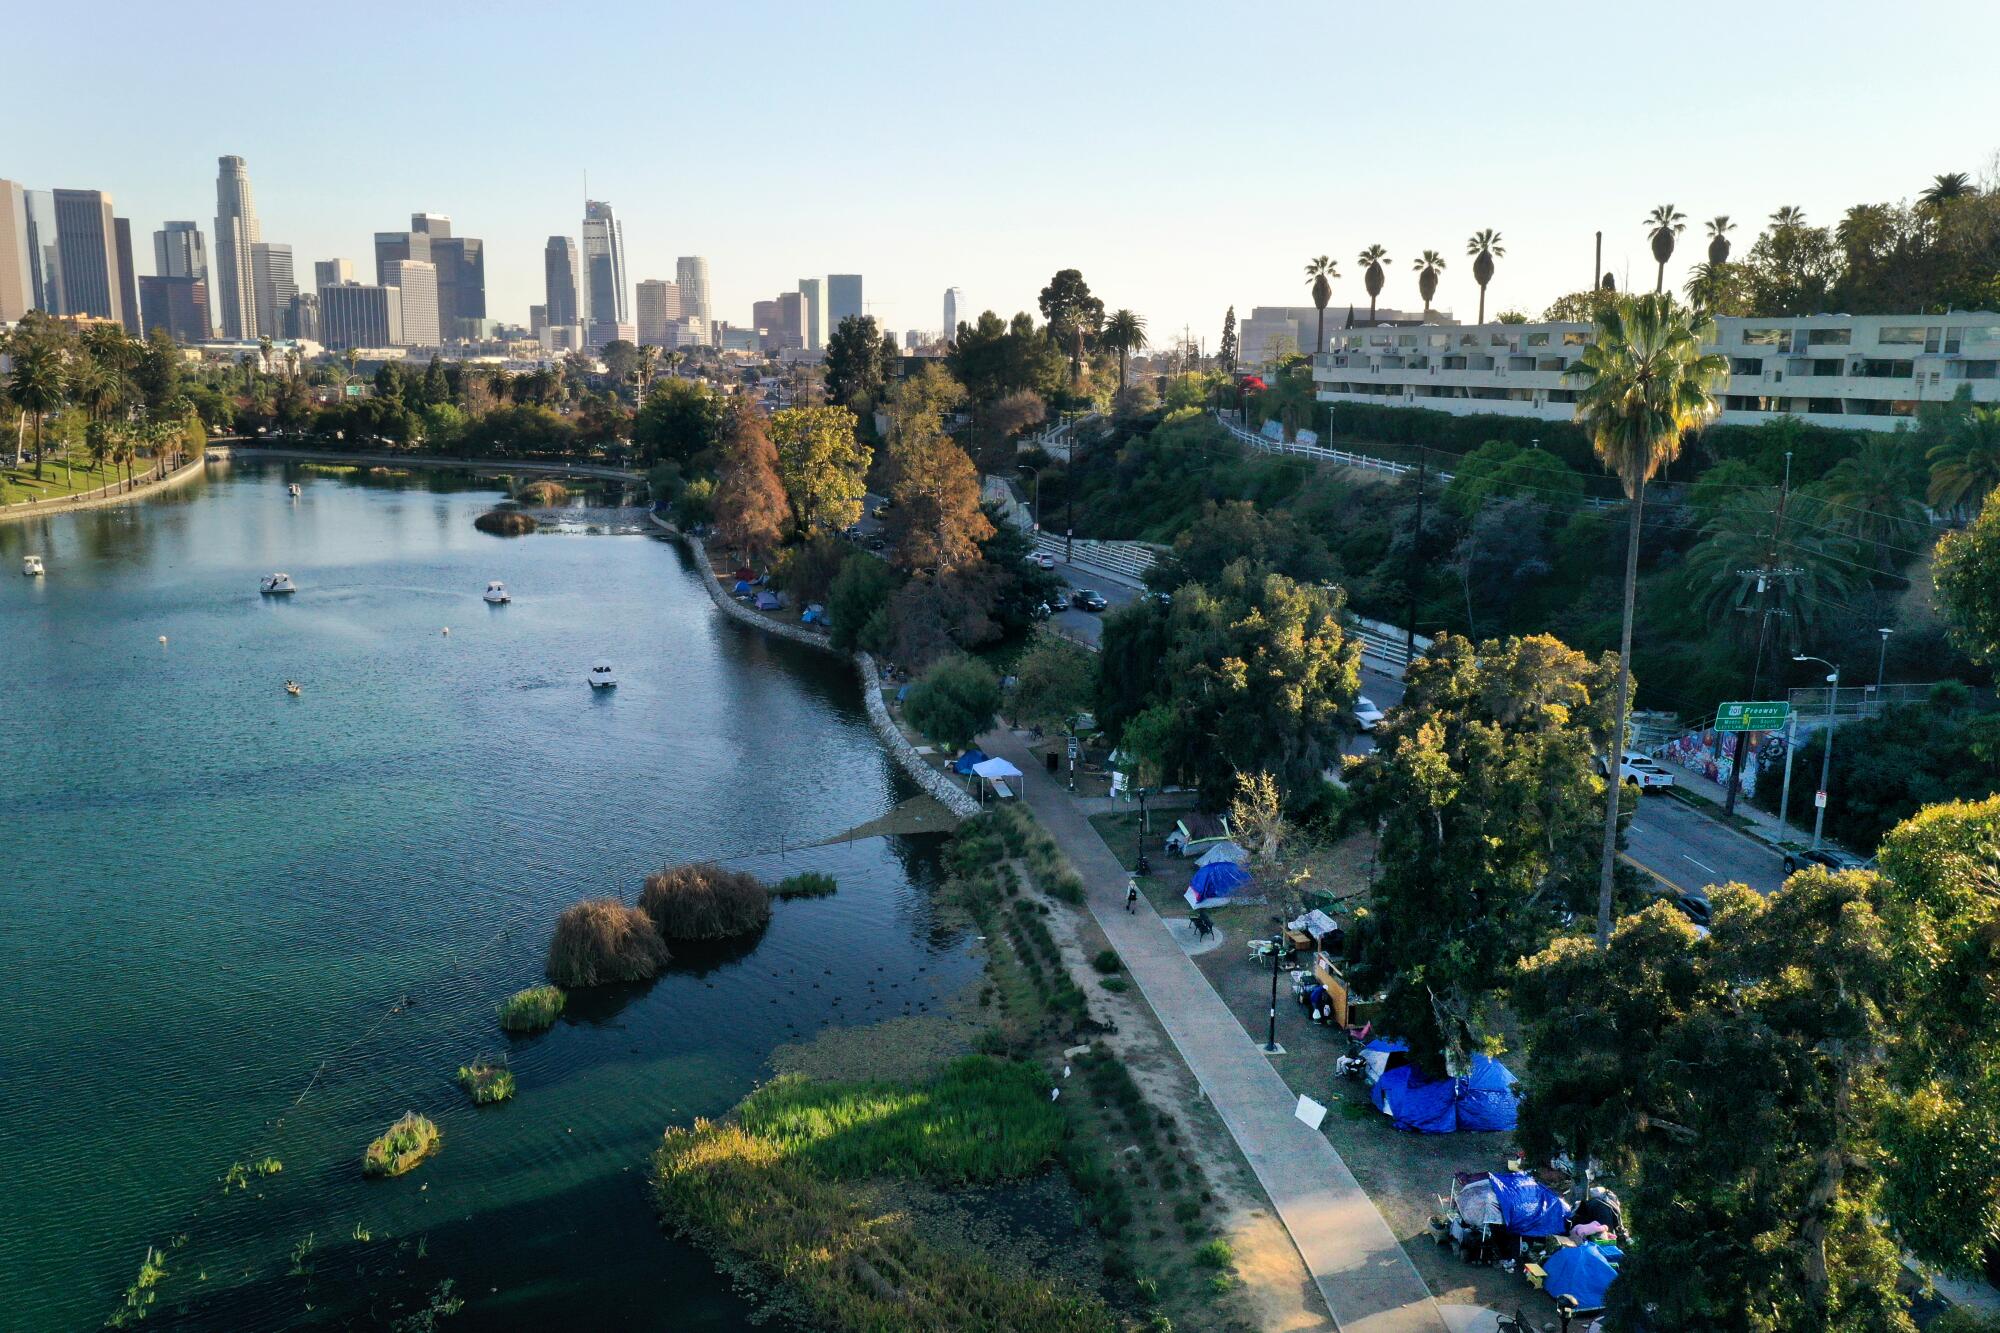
(236, 924)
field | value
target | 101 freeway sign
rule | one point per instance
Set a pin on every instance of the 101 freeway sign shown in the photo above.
(1752, 716)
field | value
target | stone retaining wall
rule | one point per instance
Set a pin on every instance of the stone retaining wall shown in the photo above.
(187, 472)
(948, 793)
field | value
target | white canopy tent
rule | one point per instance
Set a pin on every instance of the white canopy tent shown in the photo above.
(996, 773)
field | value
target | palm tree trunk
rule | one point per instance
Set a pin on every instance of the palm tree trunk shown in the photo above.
(1482, 304)
(1320, 346)
(1123, 351)
(1660, 281)
(38, 446)
(20, 433)
(1614, 785)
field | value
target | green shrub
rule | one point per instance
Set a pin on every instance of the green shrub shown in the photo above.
(1187, 1210)
(486, 1082)
(806, 884)
(401, 1147)
(1116, 985)
(1106, 961)
(531, 1010)
(954, 701)
(601, 941)
(703, 901)
(1215, 1254)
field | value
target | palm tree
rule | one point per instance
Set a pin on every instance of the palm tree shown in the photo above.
(1820, 567)
(649, 357)
(1719, 228)
(1428, 265)
(1872, 496)
(1791, 215)
(1663, 224)
(1484, 247)
(1948, 187)
(1372, 260)
(1322, 272)
(38, 382)
(1125, 331)
(1705, 285)
(1645, 382)
(264, 352)
(1964, 469)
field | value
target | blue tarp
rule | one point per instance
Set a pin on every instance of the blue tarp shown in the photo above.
(768, 601)
(968, 759)
(1218, 880)
(742, 585)
(1486, 1097)
(1528, 1207)
(1389, 1085)
(1582, 1272)
(1426, 1106)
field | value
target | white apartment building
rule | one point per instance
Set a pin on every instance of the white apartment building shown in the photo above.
(417, 279)
(1859, 372)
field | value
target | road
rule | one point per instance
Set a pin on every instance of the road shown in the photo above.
(1088, 626)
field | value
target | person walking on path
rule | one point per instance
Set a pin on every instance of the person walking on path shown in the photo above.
(1131, 895)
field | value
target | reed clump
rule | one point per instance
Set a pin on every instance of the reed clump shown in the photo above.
(401, 1147)
(806, 884)
(703, 901)
(486, 1082)
(532, 1009)
(505, 523)
(600, 941)
(542, 493)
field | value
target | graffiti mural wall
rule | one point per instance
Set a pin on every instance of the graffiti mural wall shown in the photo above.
(1696, 751)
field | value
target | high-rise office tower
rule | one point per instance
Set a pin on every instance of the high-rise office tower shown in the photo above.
(234, 296)
(391, 246)
(815, 299)
(275, 284)
(764, 316)
(954, 312)
(17, 274)
(44, 253)
(87, 238)
(434, 225)
(351, 315)
(657, 306)
(417, 280)
(128, 276)
(332, 272)
(177, 304)
(791, 325)
(180, 251)
(302, 317)
(538, 319)
(461, 279)
(843, 299)
(605, 303)
(691, 276)
(562, 274)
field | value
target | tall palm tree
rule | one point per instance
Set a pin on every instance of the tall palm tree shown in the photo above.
(649, 357)
(264, 352)
(1872, 496)
(1705, 285)
(1947, 187)
(1964, 469)
(1428, 265)
(1484, 247)
(1372, 277)
(1719, 228)
(1662, 225)
(1820, 564)
(39, 381)
(1791, 215)
(1644, 383)
(1321, 272)
(1124, 330)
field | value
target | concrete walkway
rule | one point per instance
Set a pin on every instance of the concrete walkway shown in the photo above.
(1370, 1285)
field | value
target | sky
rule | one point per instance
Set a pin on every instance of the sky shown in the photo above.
(1185, 158)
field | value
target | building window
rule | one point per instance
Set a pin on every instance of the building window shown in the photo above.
(1562, 395)
(1538, 339)
(1764, 337)
(1746, 365)
(1888, 370)
(1829, 337)
(1826, 366)
(1981, 370)
(1406, 340)
(1827, 406)
(1575, 338)
(1901, 335)
(1440, 340)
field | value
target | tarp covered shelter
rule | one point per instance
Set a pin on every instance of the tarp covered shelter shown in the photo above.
(1375, 1055)
(1415, 1102)
(1217, 881)
(1486, 1097)
(769, 601)
(1528, 1207)
(1478, 1206)
(1224, 851)
(967, 761)
(1584, 1273)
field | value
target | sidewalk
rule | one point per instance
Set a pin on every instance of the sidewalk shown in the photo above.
(1369, 1283)
(1763, 826)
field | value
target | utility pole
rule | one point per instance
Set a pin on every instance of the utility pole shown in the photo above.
(1764, 575)
(1416, 572)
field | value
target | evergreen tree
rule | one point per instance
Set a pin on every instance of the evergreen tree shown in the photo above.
(1225, 352)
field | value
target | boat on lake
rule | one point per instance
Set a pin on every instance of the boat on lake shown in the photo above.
(278, 583)
(496, 593)
(293, 490)
(31, 565)
(602, 677)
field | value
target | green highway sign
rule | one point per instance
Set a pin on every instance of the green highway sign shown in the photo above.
(1752, 717)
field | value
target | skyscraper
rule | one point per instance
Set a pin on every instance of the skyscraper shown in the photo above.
(764, 316)
(791, 326)
(417, 280)
(302, 317)
(128, 276)
(180, 251)
(954, 312)
(235, 292)
(843, 299)
(332, 272)
(434, 225)
(605, 303)
(391, 246)
(87, 239)
(351, 315)
(658, 305)
(461, 278)
(815, 299)
(274, 283)
(17, 274)
(177, 304)
(562, 275)
(691, 275)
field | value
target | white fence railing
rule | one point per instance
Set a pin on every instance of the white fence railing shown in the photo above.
(1386, 647)
(1127, 561)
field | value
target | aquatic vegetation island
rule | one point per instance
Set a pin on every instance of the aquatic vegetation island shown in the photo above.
(532, 1009)
(703, 901)
(402, 1146)
(601, 941)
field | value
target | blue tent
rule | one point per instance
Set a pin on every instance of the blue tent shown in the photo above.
(1218, 880)
(1428, 1106)
(1486, 1096)
(1581, 1272)
(742, 585)
(1375, 1055)
(1389, 1086)
(768, 601)
(1528, 1207)
(968, 759)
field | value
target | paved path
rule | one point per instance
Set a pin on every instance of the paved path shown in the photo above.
(1370, 1285)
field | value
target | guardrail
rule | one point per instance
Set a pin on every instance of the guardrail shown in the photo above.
(1809, 703)
(1386, 646)
(1127, 560)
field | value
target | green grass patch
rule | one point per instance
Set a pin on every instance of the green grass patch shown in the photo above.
(1216, 1254)
(532, 1009)
(486, 1082)
(1106, 961)
(1116, 985)
(807, 884)
(18, 485)
(401, 1147)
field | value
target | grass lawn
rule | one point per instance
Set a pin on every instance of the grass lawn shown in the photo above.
(18, 484)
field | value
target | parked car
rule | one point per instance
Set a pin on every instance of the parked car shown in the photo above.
(1830, 857)
(1694, 906)
(1088, 599)
(1366, 714)
(1640, 771)
(877, 544)
(1041, 560)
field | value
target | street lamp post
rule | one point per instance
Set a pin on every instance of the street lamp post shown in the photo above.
(1037, 506)
(1826, 755)
(1882, 664)
(1277, 946)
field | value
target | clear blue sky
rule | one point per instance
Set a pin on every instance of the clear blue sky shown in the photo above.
(1184, 157)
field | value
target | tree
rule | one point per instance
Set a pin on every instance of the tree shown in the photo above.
(856, 370)
(1872, 497)
(443, 427)
(1718, 289)
(621, 360)
(1793, 267)
(39, 380)
(1948, 188)
(1663, 224)
(1320, 274)
(1967, 572)
(1579, 307)
(1073, 316)
(860, 590)
(1645, 383)
(1238, 530)
(822, 464)
(954, 701)
(1965, 467)
(1719, 228)
(995, 359)
(1372, 259)
(1484, 247)
(750, 508)
(1053, 681)
(681, 422)
(937, 523)
(1257, 815)
(1429, 266)
(1741, 536)
(1225, 351)
(1125, 333)
(1488, 808)
(649, 360)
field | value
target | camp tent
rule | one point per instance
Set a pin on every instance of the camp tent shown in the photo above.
(769, 601)
(1414, 1102)
(968, 761)
(1224, 851)
(1486, 1097)
(999, 773)
(1215, 883)
(1528, 1207)
(1584, 1273)
(1375, 1055)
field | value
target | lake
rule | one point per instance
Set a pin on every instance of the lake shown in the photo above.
(237, 924)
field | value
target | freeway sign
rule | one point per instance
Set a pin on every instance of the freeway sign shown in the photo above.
(1751, 716)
